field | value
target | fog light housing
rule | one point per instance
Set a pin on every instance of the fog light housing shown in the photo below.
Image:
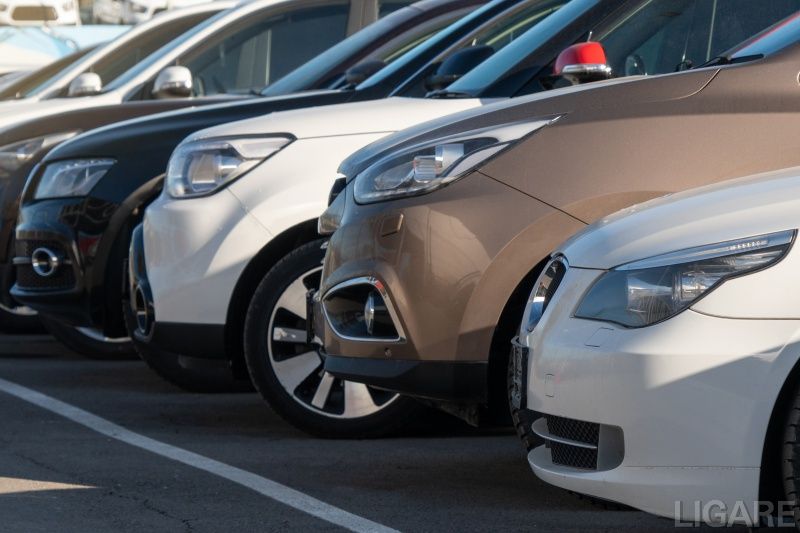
(360, 310)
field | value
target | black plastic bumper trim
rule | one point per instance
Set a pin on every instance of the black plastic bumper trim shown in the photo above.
(203, 341)
(435, 380)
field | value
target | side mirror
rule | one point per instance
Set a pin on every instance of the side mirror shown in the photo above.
(87, 84)
(360, 72)
(458, 64)
(583, 62)
(173, 82)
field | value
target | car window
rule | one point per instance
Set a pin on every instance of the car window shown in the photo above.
(250, 57)
(388, 6)
(497, 35)
(21, 88)
(660, 37)
(114, 64)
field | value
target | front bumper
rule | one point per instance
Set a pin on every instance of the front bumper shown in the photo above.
(66, 227)
(678, 411)
(448, 274)
(193, 262)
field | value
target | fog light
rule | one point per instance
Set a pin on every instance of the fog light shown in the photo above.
(360, 310)
(45, 262)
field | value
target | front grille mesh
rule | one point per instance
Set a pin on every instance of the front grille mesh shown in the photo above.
(575, 430)
(64, 277)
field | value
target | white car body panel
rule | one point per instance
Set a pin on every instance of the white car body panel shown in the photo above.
(138, 11)
(694, 394)
(202, 245)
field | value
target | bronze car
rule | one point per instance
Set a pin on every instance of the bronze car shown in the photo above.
(436, 228)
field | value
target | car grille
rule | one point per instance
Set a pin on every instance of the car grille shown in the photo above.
(63, 278)
(574, 430)
(34, 13)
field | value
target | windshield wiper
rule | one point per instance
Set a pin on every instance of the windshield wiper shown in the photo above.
(444, 93)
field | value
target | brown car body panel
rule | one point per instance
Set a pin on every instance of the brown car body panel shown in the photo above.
(659, 135)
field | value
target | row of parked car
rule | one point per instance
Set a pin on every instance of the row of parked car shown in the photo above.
(365, 208)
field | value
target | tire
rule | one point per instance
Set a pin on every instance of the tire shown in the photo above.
(790, 456)
(89, 344)
(302, 393)
(167, 365)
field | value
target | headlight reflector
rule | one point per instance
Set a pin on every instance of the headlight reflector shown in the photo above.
(199, 168)
(645, 292)
(74, 177)
(15, 155)
(429, 166)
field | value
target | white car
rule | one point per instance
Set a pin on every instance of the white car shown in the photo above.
(39, 12)
(136, 11)
(108, 11)
(214, 57)
(660, 348)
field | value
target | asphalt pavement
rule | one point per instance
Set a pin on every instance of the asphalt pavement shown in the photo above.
(107, 446)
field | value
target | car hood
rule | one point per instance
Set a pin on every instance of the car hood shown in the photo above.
(166, 129)
(377, 116)
(12, 113)
(627, 90)
(740, 208)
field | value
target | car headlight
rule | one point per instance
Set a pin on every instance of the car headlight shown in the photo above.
(199, 168)
(424, 168)
(13, 156)
(69, 178)
(645, 292)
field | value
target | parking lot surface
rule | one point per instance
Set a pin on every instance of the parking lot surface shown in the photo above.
(159, 459)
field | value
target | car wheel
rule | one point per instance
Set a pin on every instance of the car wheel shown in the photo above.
(212, 379)
(790, 457)
(522, 418)
(288, 370)
(89, 342)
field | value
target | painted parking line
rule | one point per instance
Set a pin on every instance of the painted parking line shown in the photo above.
(266, 487)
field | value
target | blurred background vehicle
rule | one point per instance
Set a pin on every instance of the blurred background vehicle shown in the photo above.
(39, 12)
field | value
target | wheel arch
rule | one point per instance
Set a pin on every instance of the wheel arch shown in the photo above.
(266, 258)
(507, 324)
(770, 488)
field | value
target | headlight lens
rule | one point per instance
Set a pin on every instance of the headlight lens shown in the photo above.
(71, 178)
(199, 168)
(645, 292)
(15, 155)
(425, 168)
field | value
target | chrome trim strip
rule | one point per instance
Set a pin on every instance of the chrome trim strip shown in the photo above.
(539, 427)
(381, 288)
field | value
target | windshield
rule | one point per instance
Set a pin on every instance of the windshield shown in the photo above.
(644, 37)
(21, 87)
(771, 40)
(491, 69)
(434, 43)
(171, 44)
(304, 76)
(113, 59)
